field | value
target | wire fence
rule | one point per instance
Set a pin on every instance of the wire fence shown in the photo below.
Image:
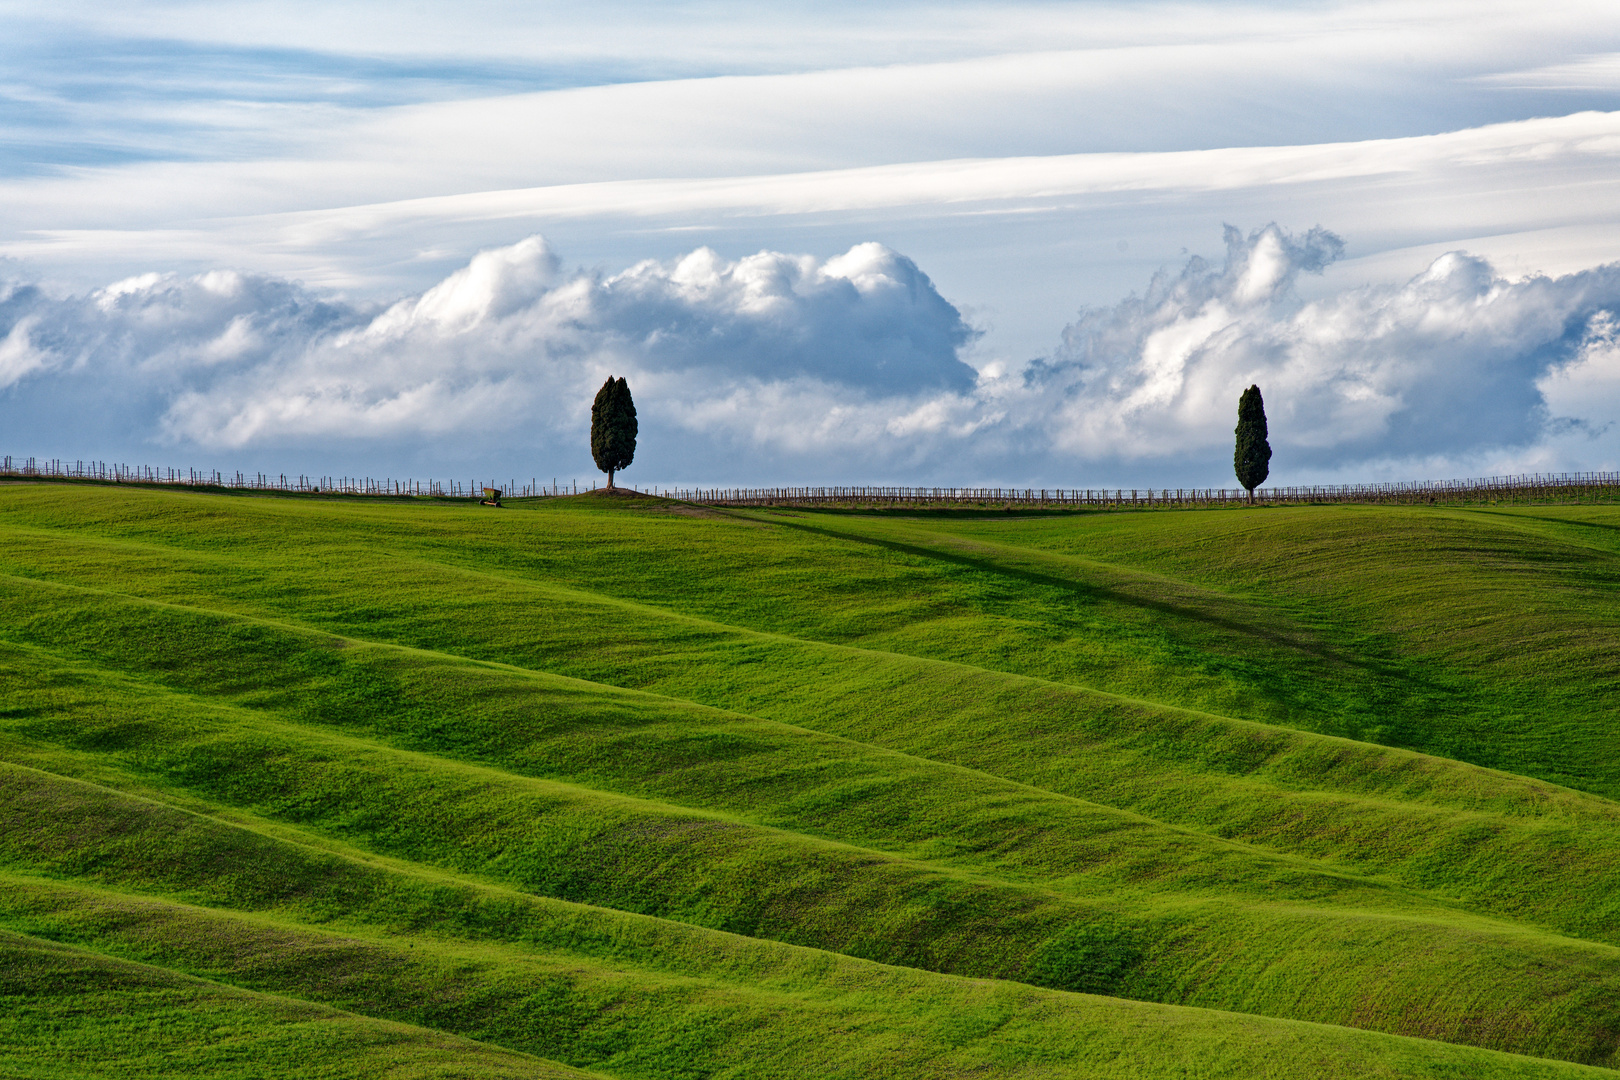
(1530, 488)
(1538, 487)
(115, 473)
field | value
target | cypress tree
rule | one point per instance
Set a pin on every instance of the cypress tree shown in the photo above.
(1251, 460)
(613, 428)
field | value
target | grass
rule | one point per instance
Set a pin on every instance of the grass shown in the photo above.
(847, 1019)
(72, 1013)
(1335, 780)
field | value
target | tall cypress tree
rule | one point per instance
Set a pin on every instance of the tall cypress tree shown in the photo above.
(613, 428)
(1252, 458)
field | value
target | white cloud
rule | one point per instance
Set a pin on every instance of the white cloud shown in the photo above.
(1600, 71)
(508, 340)
(18, 357)
(1583, 393)
(780, 367)
(1022, 240)
(1010, 145)
(1456, 362)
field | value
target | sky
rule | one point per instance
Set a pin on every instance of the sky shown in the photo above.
(959, 243)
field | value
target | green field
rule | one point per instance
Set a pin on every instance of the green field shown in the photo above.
(327, 787)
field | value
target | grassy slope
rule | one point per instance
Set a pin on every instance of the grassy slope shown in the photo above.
(912, 769)
(1230, 778)
(1510, 614)
(1158, 925)
(72, 1013)
(850, 1021)
(633, 996)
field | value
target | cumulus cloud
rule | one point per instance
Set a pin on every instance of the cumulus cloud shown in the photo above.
(780, 367)
(1454, 363)
(509, 337)
(767, 347)
(1582, 394)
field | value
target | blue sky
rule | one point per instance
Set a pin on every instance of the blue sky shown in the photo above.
(825, 243)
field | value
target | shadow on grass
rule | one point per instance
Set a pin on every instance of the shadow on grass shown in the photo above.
(1384, 685)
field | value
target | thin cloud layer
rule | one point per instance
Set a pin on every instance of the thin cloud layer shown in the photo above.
(788, 368)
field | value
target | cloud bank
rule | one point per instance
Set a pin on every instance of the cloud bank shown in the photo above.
(505, 351)
(790, 368)
(1457, 363)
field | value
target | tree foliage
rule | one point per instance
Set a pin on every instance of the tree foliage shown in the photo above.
(1252, 458)
(613, 427)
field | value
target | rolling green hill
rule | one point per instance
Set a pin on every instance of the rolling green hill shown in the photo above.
(626, 788)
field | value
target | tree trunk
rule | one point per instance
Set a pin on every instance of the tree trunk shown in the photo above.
(1251, 496)
(610, 480)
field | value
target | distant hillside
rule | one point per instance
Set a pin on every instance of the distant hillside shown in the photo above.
(627, 788)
